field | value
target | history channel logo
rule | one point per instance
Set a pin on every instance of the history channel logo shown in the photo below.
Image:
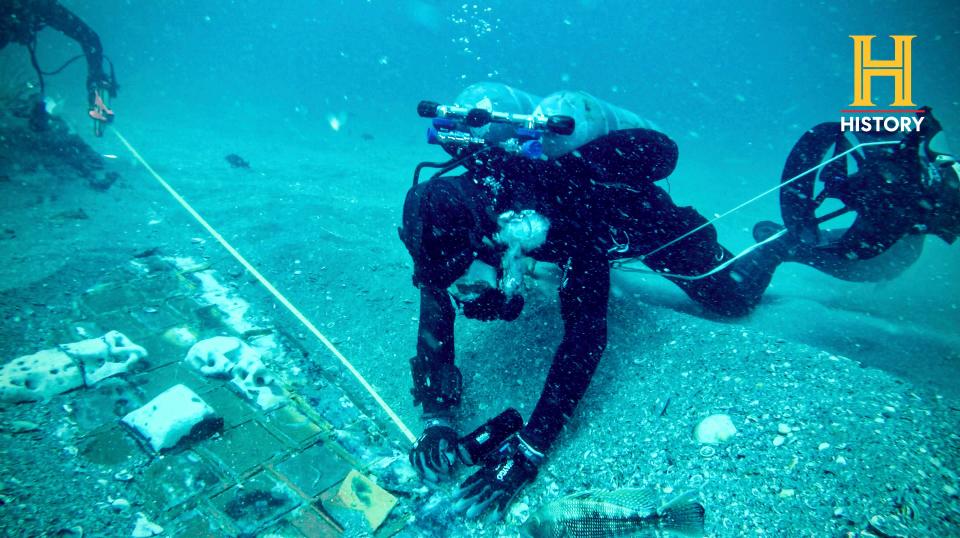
(902, 115)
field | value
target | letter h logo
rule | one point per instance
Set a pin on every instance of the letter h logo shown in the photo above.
(865, 68)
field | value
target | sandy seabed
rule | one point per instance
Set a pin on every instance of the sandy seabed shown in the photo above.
(869, 399)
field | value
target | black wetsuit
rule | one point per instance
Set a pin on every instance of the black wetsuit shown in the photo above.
(602, 204)
(21, 20)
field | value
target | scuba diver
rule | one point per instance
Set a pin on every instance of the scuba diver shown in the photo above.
(570, 180)
(22, 20)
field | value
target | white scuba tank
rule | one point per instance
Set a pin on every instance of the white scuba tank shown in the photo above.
(497, 97)
(593, 118)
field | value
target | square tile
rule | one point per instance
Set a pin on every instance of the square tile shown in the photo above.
(314, 470)
(256, 503)
(174, 480)
(365, 442)
(333, 404)
(234, 409)
(153, 382)
(109, 298)
(314, 524)
(159, 286)
(161, 352)
(155, 317)
(123, 322)
(197, 523)
(243, 448)
(183, 305)
(105, 403)
(210, 319)
(112, 445)
(359, 494)
(293, 425)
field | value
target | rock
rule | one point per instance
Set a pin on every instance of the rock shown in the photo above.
(145, 528)
(783, 429)
(779, 440)
(107, 356)
(39, 376)
(180, 336)
(171, 416)
(225, 356)
(216, 357)
(715, 429)
(120, 505)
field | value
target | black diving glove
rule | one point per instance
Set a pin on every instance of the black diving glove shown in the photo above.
(493, 304)
(434, 455)
(475, 447)
(505, 473)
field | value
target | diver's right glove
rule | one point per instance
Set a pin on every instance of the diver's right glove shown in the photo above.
(434, 455)
(504, 473)
(493, 304)
(478, 445)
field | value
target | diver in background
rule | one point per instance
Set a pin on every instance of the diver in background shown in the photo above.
(22, 20)
(580, 210)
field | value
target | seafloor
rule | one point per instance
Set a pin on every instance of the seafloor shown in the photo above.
(868, 392)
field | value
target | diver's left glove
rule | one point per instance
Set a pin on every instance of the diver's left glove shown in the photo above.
(434, 455)
(504, 474)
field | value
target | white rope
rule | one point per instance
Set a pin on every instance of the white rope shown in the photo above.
(620, 263)
(716, 269)
(273, 291)
(766, 192)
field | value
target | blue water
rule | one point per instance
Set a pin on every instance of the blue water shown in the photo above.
(735, 84)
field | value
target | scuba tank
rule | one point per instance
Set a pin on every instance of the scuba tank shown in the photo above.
(592, 117)
(495, 96)
(490, 115)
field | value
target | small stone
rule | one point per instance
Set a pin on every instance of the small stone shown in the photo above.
(950, 490)
(123, 476)
(838, 511)
(715, 429)
(120, 505)
(823, 446)
(787, 492)
(841, 460)
(779, 440)
(783, 429)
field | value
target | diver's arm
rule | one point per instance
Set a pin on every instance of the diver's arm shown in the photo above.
(583, 303)
(437, 382)
(60, 18)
